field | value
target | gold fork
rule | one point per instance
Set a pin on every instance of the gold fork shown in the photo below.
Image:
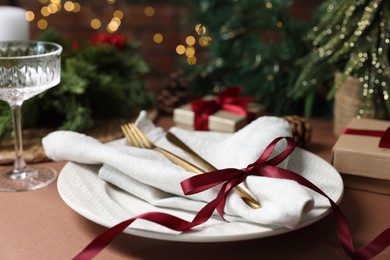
(136, 137)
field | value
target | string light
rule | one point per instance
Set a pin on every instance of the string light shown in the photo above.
(190, 40)
(158, 38)
(191, 60)
(30, 16)
(112, 26)
(190, 51)
(268, 5)
(204, 41)
(77, 7)
(42, 24)
(180, 49)
(69, 6)
(118, 14)
(200, 29)
(45, 11)
(51, 7)
(95, 23)
(116, 21)
(149, 11)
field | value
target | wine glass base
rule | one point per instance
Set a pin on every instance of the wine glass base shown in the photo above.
(29, 179)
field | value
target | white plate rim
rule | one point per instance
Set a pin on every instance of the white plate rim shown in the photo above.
(65, 189)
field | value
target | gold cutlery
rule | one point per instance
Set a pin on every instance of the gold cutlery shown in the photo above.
(137, 138)
(173, 139)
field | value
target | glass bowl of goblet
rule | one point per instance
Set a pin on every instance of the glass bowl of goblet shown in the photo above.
(27, 68)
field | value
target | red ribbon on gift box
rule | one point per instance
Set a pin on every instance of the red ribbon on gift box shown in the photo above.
(229, 100)
(384, 142)
(228, 179)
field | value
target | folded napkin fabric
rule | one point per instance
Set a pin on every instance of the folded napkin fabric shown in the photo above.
(151, 177)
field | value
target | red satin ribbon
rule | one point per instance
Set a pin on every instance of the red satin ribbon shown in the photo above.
(228, 100)
(229, 178)
(384, 142)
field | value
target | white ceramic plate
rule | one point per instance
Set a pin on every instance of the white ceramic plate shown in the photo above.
(81, 188)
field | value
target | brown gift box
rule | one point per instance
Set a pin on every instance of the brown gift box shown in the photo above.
(220, 121)
(361, 162)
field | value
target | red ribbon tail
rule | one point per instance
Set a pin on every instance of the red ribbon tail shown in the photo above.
(100, 242)
(385, 140)
(376, 246)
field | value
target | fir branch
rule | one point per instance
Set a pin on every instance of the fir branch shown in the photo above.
(254, 45)
(357, 44)
(97, 81)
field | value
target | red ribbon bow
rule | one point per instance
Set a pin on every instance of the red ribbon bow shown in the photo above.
(384, 142)
(229, 99)
(230, 178)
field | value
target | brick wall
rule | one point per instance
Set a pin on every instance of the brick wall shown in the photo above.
(168, 20)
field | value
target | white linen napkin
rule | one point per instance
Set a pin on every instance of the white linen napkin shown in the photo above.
(153, 178)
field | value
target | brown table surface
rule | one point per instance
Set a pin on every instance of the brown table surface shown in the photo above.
(39, 225)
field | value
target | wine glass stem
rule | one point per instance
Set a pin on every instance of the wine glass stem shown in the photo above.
(20, 163)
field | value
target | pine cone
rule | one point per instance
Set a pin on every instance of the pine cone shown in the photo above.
(173, 93)
(301, 129)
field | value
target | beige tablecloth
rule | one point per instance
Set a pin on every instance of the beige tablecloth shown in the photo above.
(39, 225)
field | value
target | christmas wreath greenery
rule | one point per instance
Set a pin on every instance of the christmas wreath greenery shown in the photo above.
(100, 79)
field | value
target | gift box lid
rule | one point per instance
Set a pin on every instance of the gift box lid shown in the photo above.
(222, 121)
(360, 155)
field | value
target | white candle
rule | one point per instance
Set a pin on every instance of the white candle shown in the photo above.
(13, 24)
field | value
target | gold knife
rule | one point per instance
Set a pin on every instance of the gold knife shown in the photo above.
(248, 199)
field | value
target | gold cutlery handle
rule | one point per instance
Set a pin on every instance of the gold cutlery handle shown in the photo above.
(245, 196)
(179, 143)
(179, 161)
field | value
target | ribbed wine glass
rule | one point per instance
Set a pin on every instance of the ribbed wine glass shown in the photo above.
(27, 68)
